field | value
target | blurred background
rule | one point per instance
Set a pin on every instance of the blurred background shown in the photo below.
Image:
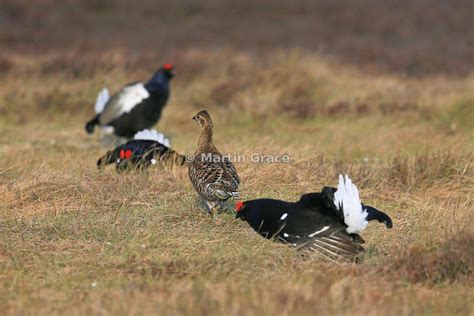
(415, 38)
(299, 59)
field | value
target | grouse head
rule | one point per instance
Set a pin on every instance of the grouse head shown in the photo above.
(238, 208)
(160, 82)
(263, 215)
(250, 211)
(168, 70)
(203, 119)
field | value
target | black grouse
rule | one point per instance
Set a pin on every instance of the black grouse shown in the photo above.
(327, 222)
(136, 107)
(147, 148)
(212, 174)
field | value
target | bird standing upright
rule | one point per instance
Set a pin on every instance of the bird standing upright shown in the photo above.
(135, 107)
(213, 175)
(326, 222)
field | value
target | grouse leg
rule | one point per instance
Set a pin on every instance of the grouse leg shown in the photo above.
(211, 208)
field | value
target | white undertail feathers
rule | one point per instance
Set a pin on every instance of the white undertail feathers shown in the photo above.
(102, 99)
(347, 199)
(152, 134)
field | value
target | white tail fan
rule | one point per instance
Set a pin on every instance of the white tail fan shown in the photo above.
(152, 134)
(346, 199)
(102, 99)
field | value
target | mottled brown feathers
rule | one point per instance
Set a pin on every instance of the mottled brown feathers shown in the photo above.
(213, 176)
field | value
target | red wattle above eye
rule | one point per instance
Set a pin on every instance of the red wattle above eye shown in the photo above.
(239, 205)
(168, 67)
(128, 154)
(122, 154)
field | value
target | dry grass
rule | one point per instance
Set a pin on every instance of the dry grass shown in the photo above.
(76, 240)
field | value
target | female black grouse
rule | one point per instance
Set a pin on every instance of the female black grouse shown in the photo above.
(326, 222)
(147, 148)
(213, 175)
(136, 107)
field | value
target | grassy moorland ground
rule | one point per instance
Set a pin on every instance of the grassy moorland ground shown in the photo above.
(338, 89)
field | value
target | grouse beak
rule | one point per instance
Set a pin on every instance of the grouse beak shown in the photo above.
(195, 119)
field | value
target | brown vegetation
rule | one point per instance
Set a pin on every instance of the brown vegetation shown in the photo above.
(336, 87)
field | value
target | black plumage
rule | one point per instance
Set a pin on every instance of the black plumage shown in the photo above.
(135, 107)
(140, 154)
(315, 222)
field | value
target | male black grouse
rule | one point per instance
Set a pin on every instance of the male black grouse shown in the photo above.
(326, 222)
(136, 107)
(147, 148)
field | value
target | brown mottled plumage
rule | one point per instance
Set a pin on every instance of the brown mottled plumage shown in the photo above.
(213, 176)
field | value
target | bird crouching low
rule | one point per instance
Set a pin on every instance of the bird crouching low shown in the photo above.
(213, 175)
(135, 107)
(327, 223)
(146, 149)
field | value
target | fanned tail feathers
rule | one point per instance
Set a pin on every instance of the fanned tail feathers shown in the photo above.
(346, 198)
(152, 134)
(102, 99)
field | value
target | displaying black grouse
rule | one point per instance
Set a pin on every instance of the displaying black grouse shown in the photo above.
(147, 148)
(326, 222)
(136, 107)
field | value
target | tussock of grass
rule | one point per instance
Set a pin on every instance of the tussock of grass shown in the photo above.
(450, 261)
(440, 169)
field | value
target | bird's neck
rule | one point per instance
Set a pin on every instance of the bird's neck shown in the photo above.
(205, 140)
(157, 83)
